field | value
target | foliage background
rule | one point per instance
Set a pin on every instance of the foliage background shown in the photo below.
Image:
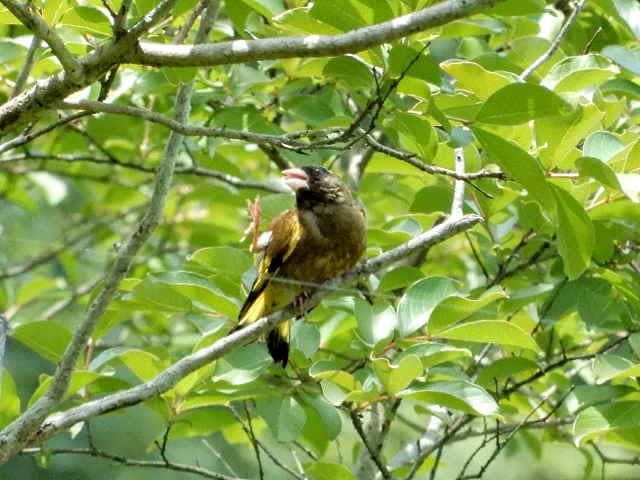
(528, 316)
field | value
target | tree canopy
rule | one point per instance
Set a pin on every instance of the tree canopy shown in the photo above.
(495, 147)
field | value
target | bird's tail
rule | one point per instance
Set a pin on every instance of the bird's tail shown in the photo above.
(278, 338)
(278, 343)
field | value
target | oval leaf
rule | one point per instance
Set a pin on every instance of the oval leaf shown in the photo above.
(491, 331)
(520, 102)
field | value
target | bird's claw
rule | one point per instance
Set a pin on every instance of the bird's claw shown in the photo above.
(299, 303)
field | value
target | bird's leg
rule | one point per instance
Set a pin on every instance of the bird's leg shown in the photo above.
(254, 226)
(299, 301)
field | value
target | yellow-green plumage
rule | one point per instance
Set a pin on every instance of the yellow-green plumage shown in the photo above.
(323, 236)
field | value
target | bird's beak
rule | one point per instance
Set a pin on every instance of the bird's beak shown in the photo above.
(296, 179)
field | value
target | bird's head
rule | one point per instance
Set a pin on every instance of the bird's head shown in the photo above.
(313, 184)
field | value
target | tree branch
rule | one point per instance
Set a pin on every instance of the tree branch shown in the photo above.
(4, 332)
(287, 140)
(237, 51)
(124, 49)
(18, 433)
(357, 424)
(42, 30)
(172, 375)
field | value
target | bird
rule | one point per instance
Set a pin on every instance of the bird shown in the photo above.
(321, 237)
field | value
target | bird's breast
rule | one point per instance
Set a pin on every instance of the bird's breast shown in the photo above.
(333, 242)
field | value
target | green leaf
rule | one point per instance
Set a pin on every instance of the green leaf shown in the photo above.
(589, 395)
(10, 51)
(242, 365)
(266, 8)
(396, 377)
(202, 292)
(433, 353)
(79, 379)
(458, 395)
(629, 12)
(625, 57)
(602, 145)
(491, 331)
(399, 277)
(617, 417)
(340, 14)
(419, 301)
(53, 10)
(474, 78)
(202, 422)
(573, 74)
(630, 185)
(575, 234)
(153, 295)
(306, 338)
(457, 308)
(285, 417)
(559, 136)
(611, 366)
(424, 68)
(328, 471)
(432, 198)
(621, 86)
(415, 132)
(505, 368)
(226, 260)
(349, 70)
(598, 170)
(329, 415)
(141, 363)
(299, 20)
(375, 322)
(520, 102)
(519, 165)
(47, 338)
(518, 7)
(88, 19)
(9, 400)
(634, 342)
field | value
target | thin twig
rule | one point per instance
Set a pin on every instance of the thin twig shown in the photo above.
(357, 424)
(411, 159)
(289, 141)
(28, 137)
(168, 378)
(252, 438)
(604, 458)
(524, 76)
(94, 452)
(23, 76)
(267, 452)
(18, 433)
(46, 257)
(220, 458)
(560, 363)
(39, 27)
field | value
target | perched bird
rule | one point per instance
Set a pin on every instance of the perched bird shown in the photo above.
(323, 236)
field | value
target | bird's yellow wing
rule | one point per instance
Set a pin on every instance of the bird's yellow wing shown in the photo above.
(286, 232)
